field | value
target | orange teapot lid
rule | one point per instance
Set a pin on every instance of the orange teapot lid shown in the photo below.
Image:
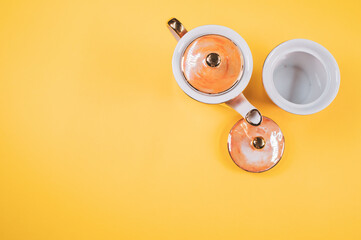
(212, 64)
(256, 148)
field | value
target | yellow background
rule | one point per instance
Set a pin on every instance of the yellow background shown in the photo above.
(97, 141)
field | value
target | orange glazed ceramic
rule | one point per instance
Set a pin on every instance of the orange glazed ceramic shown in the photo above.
(212, 64)
(244, 151)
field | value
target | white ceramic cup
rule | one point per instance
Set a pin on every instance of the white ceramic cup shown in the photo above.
(233, 96)
(301, 76)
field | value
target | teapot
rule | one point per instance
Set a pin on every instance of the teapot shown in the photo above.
(213, 64)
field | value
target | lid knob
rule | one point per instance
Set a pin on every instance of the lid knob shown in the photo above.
(258, 142)
(213, 60)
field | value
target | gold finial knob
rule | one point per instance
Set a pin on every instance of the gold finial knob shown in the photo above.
(258, 142)
(213, 60)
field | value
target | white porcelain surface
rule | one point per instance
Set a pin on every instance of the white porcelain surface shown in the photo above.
(301, 76)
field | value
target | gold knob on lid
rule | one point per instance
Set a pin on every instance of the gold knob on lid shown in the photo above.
(258, 142)
(213, 60)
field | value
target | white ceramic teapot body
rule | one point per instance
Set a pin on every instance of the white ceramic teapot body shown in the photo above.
(232, 96)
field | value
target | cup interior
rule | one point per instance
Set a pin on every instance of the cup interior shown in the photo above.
(300, 77)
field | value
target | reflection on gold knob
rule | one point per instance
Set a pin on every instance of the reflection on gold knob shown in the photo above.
(258, 142)
(213, 60)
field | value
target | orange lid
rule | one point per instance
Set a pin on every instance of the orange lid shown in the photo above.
(212, 64)
(256, 148)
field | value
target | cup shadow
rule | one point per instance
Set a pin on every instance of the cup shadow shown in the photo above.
(255, 92)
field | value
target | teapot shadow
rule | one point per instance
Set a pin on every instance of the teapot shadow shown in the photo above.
(256, 93)
(221, 138)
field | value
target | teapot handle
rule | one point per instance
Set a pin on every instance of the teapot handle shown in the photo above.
(246, 109)
(176, 28)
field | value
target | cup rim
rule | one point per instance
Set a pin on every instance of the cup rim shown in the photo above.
(319, 52)
(195, 33)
